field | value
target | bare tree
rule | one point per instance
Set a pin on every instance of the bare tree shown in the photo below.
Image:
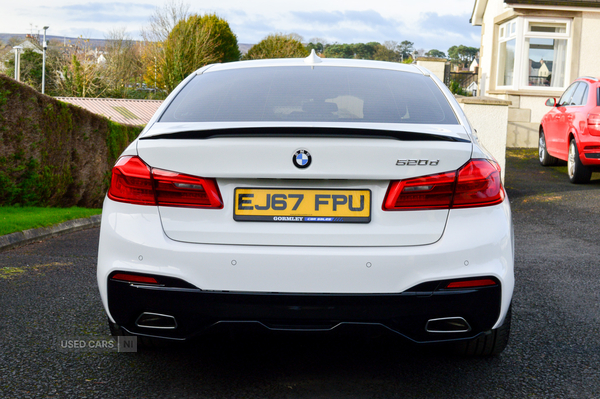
(156, 34)
(123, 66)
(77, 72)
(177, 43)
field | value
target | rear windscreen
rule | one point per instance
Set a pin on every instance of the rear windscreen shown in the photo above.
(310, 94)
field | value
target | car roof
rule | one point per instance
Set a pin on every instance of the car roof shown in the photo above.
(589, 79)
(314, 61)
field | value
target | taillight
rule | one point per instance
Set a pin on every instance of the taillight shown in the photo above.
(428, 192)
(135, 182)
(593, 122)
(475, 184)
(176, 189)
(131, 182)
(478, 184)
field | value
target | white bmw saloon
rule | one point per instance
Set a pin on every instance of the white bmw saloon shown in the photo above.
(307, 195)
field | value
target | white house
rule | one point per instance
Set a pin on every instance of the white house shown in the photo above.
(474, 64)
(31, 43)
(532, 50)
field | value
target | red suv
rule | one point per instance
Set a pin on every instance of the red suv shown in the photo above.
(570, 131)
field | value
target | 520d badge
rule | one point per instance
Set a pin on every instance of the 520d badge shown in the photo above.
(417, 162)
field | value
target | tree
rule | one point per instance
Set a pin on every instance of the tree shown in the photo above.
(318, 47)
(80, 79)
(435, 53)
(277, 46)
(123, 67)
(177, 43)
(365, 51)
(75, 70)
(31, 68)
(462, 55)
(337, 50)
(188, 47)
(405, 48)
(155, 34)
(384, 53)
(226, 45)
(318, 44)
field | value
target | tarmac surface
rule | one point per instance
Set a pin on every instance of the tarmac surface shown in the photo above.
(48, 295)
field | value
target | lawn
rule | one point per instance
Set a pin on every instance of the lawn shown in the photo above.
(13, 219)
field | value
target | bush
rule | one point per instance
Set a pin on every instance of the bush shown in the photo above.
(456, 89)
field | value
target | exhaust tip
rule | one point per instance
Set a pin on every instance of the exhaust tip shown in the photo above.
(447, 325)
(156, 320)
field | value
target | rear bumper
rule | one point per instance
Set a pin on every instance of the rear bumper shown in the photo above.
(376, 285)
(194, 311)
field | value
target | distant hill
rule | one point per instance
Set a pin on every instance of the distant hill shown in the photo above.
(244, 47)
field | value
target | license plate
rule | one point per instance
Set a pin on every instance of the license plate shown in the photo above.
(302, 205)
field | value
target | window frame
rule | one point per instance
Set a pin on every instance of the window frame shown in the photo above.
(504, 37)
(584, 97)
(521, 64)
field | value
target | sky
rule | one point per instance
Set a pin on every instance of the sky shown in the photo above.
(429, 24)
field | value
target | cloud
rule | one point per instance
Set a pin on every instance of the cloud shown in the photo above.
(444, 31)
(369, 17)
(106, 7)
(115, 12)
(346, 26)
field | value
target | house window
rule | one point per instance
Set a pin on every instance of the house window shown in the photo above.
(545, 52)
(506, 65)
(532, 53)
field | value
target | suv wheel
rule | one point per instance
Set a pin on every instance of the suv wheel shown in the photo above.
(578, 172)
(545, 158)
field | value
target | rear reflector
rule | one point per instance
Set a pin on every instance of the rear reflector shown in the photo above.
(475, 184)
(471, 283)
(134, 278)
(134, 182)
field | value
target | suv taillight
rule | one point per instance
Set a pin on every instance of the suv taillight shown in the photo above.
(475, 184)
(593, 122)
(134, 182)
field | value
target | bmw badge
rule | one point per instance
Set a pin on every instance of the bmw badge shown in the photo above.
(302, 159)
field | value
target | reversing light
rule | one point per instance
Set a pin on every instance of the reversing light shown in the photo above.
(472, 283)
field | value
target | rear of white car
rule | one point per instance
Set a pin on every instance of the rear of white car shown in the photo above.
(306, 195)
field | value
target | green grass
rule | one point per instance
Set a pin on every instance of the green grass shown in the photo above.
(14, 218)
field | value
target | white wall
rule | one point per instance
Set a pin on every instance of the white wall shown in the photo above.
(589, 58)
(490, 119)
(493, 8)
(537, 105)
(435, 66)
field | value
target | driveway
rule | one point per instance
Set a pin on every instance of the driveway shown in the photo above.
(48, 291)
